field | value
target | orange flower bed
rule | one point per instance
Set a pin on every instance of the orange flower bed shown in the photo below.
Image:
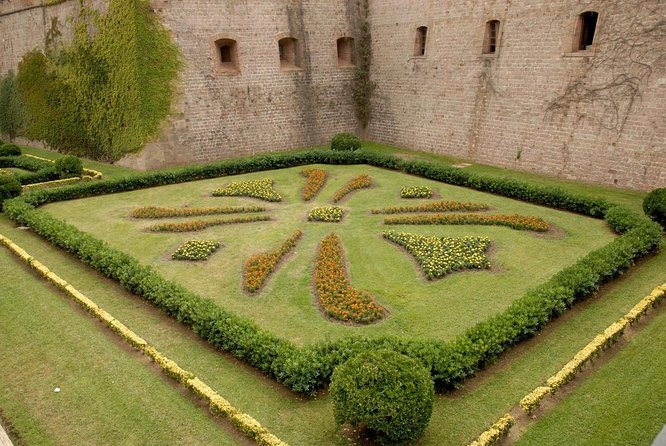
(336, 295)
(360, 182)
(515, 221)
(260, 266)
(163, 212)
(314, 181)
(435, 206)
(198, 225)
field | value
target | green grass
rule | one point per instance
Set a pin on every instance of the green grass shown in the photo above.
(441, 308)
(109, 393)
(108, 170)
(622, 403)
(458, 417)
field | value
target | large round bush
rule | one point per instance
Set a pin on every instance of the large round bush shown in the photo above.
(9, 187)
(654, 205)
(9, 150)
(388, 394)
(69, 166)
(345, 141)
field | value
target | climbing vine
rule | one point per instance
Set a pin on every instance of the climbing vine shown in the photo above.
(105, 94)
(628, 48)
(11, 115)
(363, 86)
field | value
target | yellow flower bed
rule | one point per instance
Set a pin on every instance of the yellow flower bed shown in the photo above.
(250, 427)
(262, 189)
(496, 432)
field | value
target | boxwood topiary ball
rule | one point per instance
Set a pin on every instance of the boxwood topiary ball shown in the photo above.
(654, 206)
(9, 187)
(9, 150)
(69, 166)
(345, 142)
(388, 394)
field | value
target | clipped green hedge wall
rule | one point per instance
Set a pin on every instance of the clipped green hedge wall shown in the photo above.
(40, 170)
(305, 370)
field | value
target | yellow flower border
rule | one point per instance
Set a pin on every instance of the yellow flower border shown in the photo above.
(530, 402)
(243, 422)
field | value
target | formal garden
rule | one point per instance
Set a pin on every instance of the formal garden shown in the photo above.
(315, 297)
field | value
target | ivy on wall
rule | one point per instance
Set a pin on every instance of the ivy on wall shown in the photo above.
(11, 115)
(363, 87)
(105, 94)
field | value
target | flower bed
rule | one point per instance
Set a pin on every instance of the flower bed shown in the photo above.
(163, 212)
(439, 256)
(360, 182)
(314, 181)
(435, 206)
(262, 189)
(416, 192)
(196, 250)
(198, 225)
(260, 266)
(331, 214)
(515, 221)
(337, 297)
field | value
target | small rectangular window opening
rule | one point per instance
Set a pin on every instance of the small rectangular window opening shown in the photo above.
(287, 49)
(345, 52)
(421, 40)
(588, 26)
(225, 54)
(492, 36)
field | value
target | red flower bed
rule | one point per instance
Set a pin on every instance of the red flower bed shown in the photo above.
(360, 182)
(314, 181)
(336, 295)
(259, 266)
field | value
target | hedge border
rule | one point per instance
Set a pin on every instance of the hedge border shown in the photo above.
(307, 369)
(243, 422)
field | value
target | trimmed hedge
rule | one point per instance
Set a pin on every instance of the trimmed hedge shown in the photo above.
(654, 206)
(305, 370)
(9, 149)
(69, 166)
(9, 187)
(40, 170)
(345, 142)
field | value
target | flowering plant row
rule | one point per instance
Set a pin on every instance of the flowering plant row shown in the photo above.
(262, 189)
(247, 425)
(360, 182)
(314, 181)
(328, 214)
(416, 192)
(515, 221)
(435, 206)
(163, 212)
(259, 266)
(439, 256)
(198, 225)
(496, 432)
(602, 341)
(195, 250)
(337, 297)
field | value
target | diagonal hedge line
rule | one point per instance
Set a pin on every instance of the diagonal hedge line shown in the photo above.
(307, 369)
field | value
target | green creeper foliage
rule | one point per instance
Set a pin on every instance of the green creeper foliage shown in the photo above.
(11, 113)
(654, 206)
(69, 166)
(345, 141)
(389, 394)
(106, 94)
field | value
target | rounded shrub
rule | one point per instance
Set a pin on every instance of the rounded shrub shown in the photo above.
(9, 150)
(9, 187)
(69, 166)
(654, 206)
(345, 142)
(388, 394)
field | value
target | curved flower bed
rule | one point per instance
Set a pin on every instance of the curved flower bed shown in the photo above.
(198, 225)
(314, 181)
(360, 182)
(439, 256)
(515, 221)
(262, 189)
(416, 192)
(337, 297)
(164, 212)
(259, 266)
(435, 206)
(196, 250)
(331, 214)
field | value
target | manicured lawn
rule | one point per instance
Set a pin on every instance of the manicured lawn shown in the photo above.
(623, 402)
(441, 308)
(418, 308)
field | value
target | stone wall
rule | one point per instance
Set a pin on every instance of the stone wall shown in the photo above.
(536, 104)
